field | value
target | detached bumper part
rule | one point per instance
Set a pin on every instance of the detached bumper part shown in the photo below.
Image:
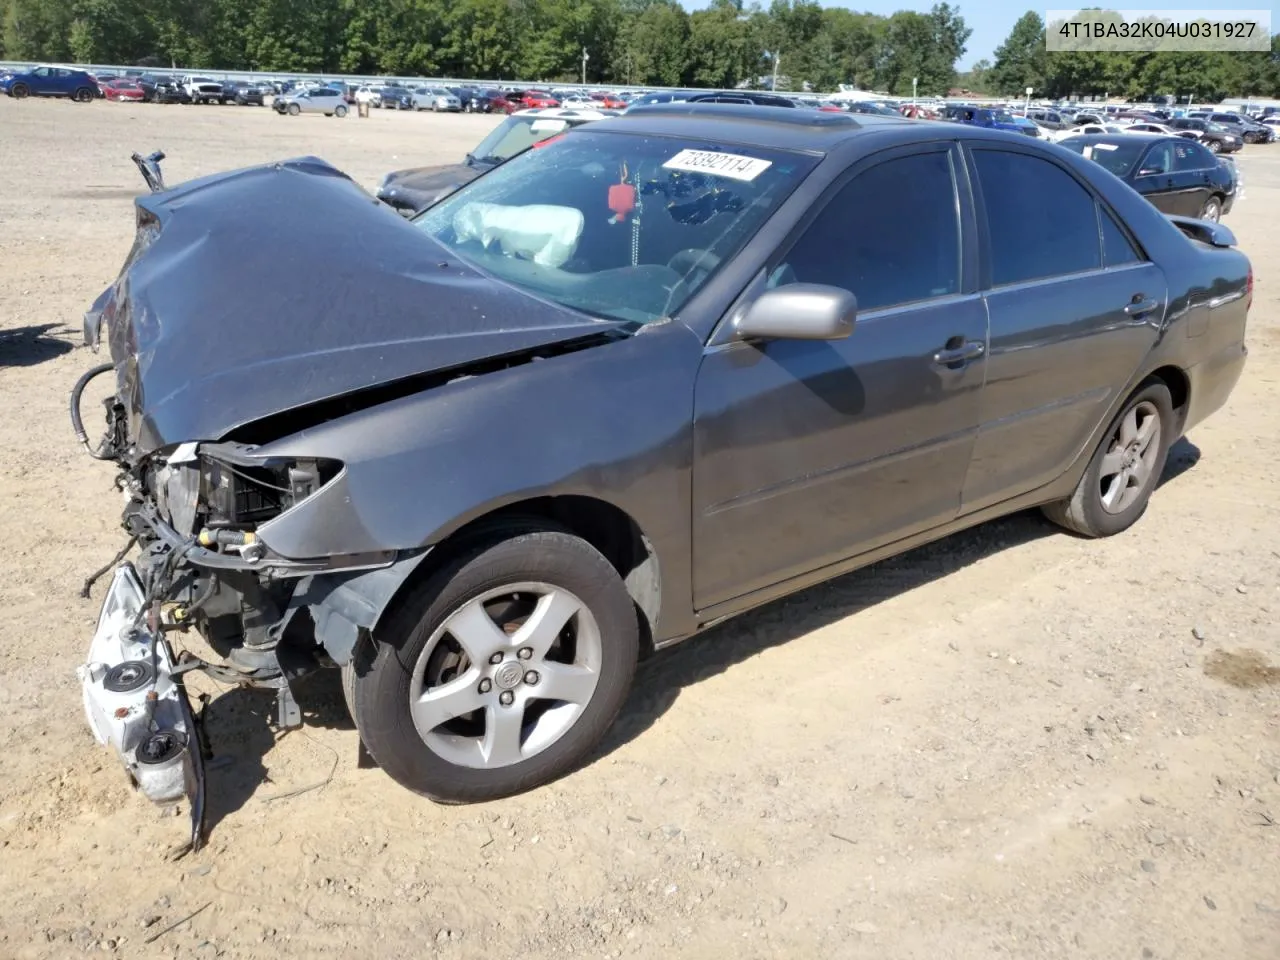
(136, 706)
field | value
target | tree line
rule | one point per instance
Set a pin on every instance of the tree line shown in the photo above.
(655, 42)
(1022, 61)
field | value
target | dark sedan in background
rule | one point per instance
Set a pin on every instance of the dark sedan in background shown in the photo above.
(1179, 176)
(626, 385)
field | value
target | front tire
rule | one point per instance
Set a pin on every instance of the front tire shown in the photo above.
(294, 110)
(1118, 483)
(19, 91)
(501, 671)
(1214, 146)
(1212, 210)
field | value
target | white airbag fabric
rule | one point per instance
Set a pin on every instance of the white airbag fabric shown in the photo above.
(546, 234)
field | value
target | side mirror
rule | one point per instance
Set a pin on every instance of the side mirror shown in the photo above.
(799, 311)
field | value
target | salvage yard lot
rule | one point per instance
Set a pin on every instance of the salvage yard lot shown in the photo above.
(1013, 742)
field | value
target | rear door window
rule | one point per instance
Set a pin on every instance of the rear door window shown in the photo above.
(1041, 222)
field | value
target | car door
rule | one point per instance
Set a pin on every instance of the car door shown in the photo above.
(1193, 165)
(1154, 178)
(808, 452)
(1074, 306)
(41, 81)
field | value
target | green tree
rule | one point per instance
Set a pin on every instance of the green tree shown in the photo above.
(1022, 60)
(657, 43)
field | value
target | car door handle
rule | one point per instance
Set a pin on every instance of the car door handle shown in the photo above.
(966, 351)
(1140, 305)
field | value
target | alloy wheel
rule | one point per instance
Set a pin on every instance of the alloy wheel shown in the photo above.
(1129, 464)
(506, 675)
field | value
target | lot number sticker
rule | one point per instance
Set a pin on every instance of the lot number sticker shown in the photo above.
(718, 164)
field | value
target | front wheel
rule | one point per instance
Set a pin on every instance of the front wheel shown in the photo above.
(1124, 470)
(1214, 146)
(501, 671)
(294, 110)
(339, 112)
(1212, 210)
(19, 91)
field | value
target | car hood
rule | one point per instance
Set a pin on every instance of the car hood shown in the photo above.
(421, 186)
(255, 292)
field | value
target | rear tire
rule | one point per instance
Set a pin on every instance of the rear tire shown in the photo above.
(82, 95)
(339, 112)
(1117, 485)
(431, 657)
(1214, 146)
(1212, 209)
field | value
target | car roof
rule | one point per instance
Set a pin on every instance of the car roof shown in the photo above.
(566, 113)
(785, 128)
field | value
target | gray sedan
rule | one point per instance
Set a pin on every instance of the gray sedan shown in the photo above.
(630, 383)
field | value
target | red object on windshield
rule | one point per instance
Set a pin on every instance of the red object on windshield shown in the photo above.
(622, 200)
(547, 142)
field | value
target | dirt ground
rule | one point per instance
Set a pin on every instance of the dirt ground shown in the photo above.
(1011, 743)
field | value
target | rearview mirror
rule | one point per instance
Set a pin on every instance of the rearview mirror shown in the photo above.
(799, 311)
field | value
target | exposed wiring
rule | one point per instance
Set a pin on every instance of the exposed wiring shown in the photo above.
(76, 423)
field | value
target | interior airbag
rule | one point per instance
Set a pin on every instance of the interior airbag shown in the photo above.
(546, 234)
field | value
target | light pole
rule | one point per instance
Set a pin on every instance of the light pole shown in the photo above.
(776, 57)
(914, 83)
(1028, 106)
(585, 57)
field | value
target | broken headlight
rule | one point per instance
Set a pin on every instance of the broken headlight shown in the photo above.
(243, 494)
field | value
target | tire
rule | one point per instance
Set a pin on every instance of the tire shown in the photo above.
(82, 95)
(19, 91)
(435, 108)
(414, 653)
(1214, 146)
(293, 109)
(339, 112)
(1086, 512)
(1212, 209)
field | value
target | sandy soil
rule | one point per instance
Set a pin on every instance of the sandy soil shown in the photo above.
(1011, 743)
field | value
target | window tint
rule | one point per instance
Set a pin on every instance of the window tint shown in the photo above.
(1191, 156)
(1158, 160)
(1041, 221)
(890, 236)
(1116, 248)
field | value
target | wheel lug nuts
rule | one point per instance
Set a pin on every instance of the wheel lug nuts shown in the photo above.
(531, 677)
(506, 698)
(485, 685)
(495, 658)
(525, 653)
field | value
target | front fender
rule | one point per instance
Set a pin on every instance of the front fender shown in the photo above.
(610, 422)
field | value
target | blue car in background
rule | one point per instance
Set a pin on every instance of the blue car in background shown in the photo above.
(992, 117)
(50, 81)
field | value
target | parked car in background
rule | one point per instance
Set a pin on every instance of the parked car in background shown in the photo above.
(440, 99)
(980, 117)
(317, 100)
(413, 190)
(251, 94)
(872, 108)
(743, 98)
(1148, 127)
(1048, 119)
(387, 96)
(52, 81)
(1179, 176)
(1246, 128)
(537, 99)
(1213, 136)
(609, 101)
(162, 88)
(490, 101)
(1028, 126)
(123, 89)
(203, 90)
(483, 462)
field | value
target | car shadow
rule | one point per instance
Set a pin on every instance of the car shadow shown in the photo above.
(240, 731)
(661, 678)
(27, 346)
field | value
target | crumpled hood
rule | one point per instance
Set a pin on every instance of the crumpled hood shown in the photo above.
(254, 292)
(419, 187)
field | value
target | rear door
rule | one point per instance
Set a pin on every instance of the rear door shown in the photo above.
(1156, 180)
(1074, 307)
(1193, 170)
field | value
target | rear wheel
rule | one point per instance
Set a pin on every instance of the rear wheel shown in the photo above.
(339, 112)
(1214, 146)
(1124, 470)
(1212, 209)
(82, 95)
(501, 671)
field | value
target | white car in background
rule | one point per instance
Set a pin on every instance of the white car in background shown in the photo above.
(1148, 127)
(202, 89)
(318, 100)
(1086, 128)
